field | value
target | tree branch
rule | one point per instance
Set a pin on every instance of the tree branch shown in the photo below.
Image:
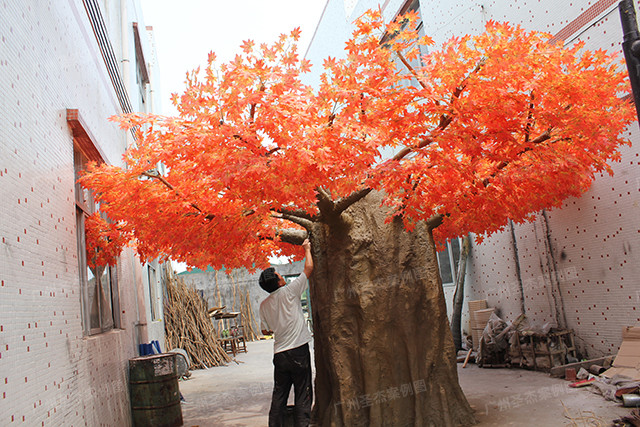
(543, 137)
(325, 203)
(445, 120)
(343, 203)
(297, 213)
(159, 178)
(172, 188)
(539, 140)
(410, 68)
(252, 108)
(296, 220)
(527, 129)
(435, 221)
(330, 208)
(407, 150)
(270, 152)
(290, 235)
(332, 117)
(324, 195)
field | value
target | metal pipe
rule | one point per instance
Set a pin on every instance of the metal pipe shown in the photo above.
(631, 47)
(631, 400)
(628, 19)
(596, 369)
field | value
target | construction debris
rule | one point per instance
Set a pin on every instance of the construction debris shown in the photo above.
(582, 383)
(466, 359)
(521, 344)
(542, 350)
(627, 361)
(619, 383)
(560, 371)
(188, 326)
(584, 418)
(633, 419)
(494, 342)
(246, 323)
(631, 400)
(608, 387)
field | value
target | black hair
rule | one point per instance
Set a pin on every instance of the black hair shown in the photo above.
(269, 280)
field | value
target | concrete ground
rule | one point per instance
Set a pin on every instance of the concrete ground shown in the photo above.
(240, 394)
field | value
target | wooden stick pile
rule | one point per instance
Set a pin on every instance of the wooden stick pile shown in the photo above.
(188, 326)
(248, 320)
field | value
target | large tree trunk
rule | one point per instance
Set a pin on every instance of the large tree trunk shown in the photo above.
(383, 348)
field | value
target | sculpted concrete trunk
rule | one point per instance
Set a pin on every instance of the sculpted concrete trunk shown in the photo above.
(383, 348)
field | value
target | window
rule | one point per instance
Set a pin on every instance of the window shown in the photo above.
(416, 63)
(142, 74)
(414, 6)
(448, 259)
(99, 285)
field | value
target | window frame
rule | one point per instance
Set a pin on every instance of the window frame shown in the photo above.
(142, 73)
(85, 150)
(409, 6)
(452, 258)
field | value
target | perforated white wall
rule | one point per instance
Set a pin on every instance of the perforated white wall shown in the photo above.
(577, 264)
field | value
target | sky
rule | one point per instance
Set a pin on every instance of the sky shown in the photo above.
(186, 31)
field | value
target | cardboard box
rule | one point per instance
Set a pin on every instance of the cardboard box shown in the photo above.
(478, 320)
(627, 361)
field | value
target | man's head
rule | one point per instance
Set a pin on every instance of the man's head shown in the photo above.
(270, 280)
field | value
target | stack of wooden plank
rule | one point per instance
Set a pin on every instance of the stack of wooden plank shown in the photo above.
(479, 315)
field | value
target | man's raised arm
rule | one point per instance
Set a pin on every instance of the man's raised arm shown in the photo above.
(308, 261)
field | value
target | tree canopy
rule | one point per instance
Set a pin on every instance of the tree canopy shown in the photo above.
(488, 128)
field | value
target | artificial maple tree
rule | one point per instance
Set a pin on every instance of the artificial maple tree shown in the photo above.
(376, 164)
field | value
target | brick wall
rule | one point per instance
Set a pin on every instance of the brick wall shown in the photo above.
(50, 374)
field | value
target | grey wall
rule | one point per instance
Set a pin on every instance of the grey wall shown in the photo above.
(218, 286)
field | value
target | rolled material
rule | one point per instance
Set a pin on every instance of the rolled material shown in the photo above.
(597, 369)
(631, 400)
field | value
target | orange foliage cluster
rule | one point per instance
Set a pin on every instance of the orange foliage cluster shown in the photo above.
(497, 127)
(104, 240)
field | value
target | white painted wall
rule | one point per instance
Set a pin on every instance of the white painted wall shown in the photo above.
(50, 373)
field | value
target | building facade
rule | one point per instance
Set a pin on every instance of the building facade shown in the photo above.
(67, 330)
(572, 267)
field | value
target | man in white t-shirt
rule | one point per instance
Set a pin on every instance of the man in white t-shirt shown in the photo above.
(281, 313)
